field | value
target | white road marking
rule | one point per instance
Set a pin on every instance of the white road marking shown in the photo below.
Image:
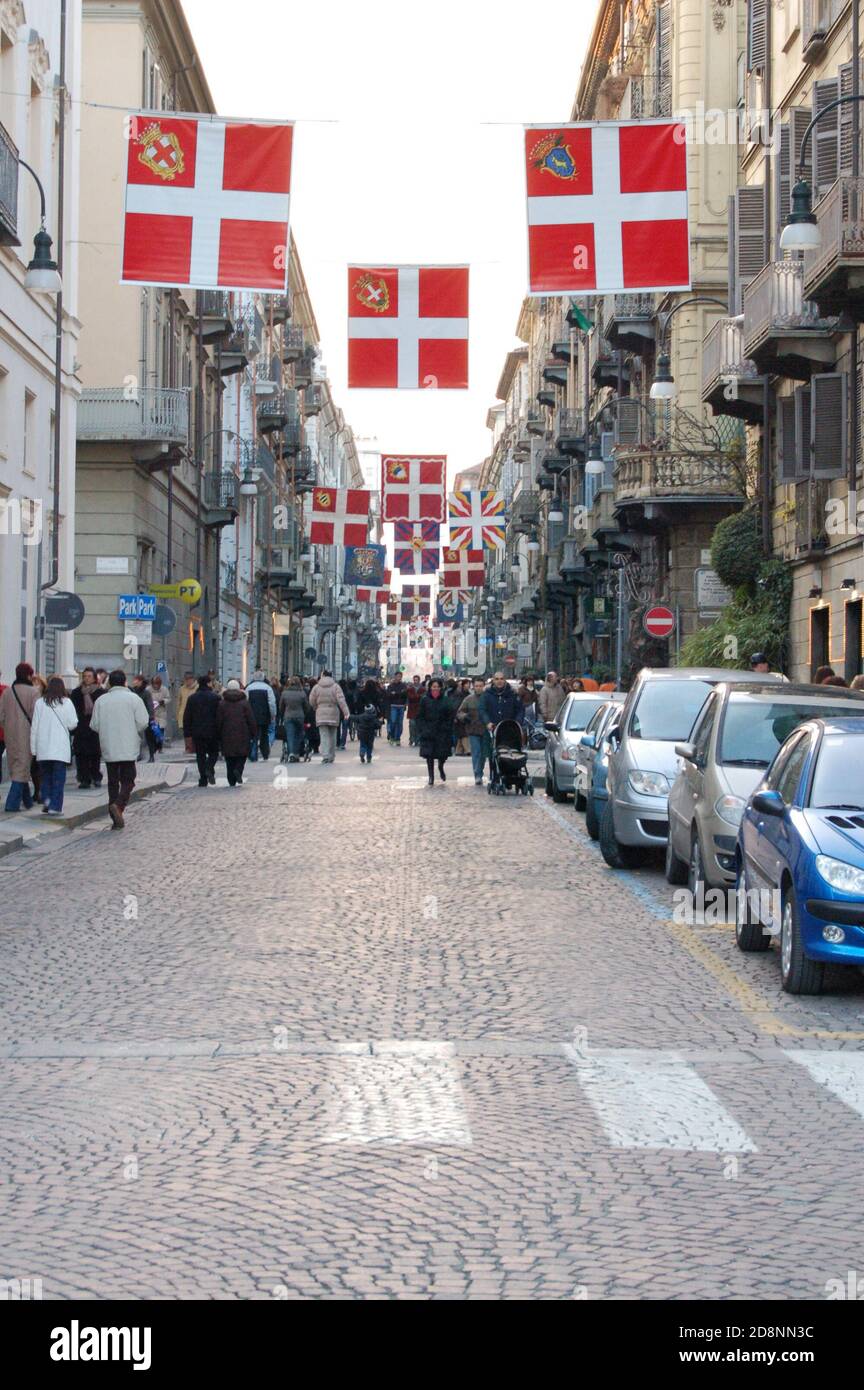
(352, 779)
(841, 1073)
(406, 1093)
(656, 1100)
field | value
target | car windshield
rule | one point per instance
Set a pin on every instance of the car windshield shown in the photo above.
(839, 777)
(754, 727)
(667, 710)
(580, 712)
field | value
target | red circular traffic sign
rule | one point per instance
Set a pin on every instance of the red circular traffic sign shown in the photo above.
(659, 622)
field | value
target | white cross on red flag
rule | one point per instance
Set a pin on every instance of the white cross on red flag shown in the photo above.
(607, 207)
(462, 569)
(207, 203)
(408, 327)
(339, 516)
(376, 595)
(412, 487)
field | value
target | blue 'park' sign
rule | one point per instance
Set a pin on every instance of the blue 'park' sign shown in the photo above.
(136, 608)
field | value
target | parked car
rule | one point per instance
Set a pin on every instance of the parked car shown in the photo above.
(800, 859)
(660, 711)
(734, 739)
(564, 735)
(594, 751)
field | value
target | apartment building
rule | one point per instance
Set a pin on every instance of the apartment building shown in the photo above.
(790, 356)
(36, 560)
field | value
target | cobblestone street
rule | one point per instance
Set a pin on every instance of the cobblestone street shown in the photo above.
(352, 1037)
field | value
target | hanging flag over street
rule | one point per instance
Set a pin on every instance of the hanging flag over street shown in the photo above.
(415, 607)
(451, 605)
(607, 207)
(462, 569)
(408, 327)
(417, 547)
(339, 516)
(477, 520)
(207, 203)
(412, 487)
(374, 595)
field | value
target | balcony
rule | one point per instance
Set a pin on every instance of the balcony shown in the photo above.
(302, 465)
(534, 423)
(281, 307)
(631, 324)
(151, 415)
(554, 374)
(561, 350)
(282, 566)
(556, 463)
(220, 499)
(235, 352)
(731, 384)
(525, 511)
(8, 190)
(570, 432)
(272, 414)
(313, 399)
(603, 362)
(309, 480)
(547, 397)
(303, 368)
(811, 504)
(265, 462)
(816, 20)
(834, 275)
(784, 333)
(293, 344)
(216, 319)
(293, 435)
(656, 486)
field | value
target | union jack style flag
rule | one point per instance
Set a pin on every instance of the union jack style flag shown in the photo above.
(477, 520)
(462, 569)
(417, 547)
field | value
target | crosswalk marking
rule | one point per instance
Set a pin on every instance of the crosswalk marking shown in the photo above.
(407, 1093)
(841, 1073)
(656, 1100)
(351, 779)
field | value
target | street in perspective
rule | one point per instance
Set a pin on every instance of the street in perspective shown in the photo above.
(431, 669)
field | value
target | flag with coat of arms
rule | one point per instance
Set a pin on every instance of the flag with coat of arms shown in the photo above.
(339, 516)
(417, 547)
(462, 569)
(412, 487)
(408, 327)
(207, 203)
(477, 520)
(451, 605)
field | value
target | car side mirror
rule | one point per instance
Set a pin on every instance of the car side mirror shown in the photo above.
(687, 751)
(769, 804)
(551, 726)
(588, 741)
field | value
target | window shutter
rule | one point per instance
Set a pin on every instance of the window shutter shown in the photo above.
(845, 114)
(757, 35)
(732, 262)
(802, 432)
(826, 136)
(750, 253)
(627, 423)
(787, 451)
(828, 425)
(664, 60)
(607, 443)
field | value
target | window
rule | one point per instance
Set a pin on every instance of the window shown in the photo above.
(820, 622)
(29, 450)
(755, 726)
(701, 735)
(852, 646)
(837, 780)
(787, 784)
(666, 709)
(4, 415)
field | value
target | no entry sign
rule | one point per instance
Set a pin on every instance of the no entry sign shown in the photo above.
(659, 622)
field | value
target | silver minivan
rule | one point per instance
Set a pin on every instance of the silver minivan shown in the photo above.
(660, 711)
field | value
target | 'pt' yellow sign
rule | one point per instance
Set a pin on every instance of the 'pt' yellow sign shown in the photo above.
(187, 591)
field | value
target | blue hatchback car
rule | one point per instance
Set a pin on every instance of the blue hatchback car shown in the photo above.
(800, 855)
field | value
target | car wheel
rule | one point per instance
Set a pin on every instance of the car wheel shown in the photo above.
(548, 782)
(799, 975)
(750, 934)
(578, 801)
(676, 868)
(616, 856)
(696, 868)
(557, 794)
(592, 824)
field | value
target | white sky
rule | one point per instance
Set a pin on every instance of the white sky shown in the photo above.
(397, 166)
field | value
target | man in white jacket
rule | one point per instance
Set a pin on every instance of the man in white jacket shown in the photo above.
(119, 726)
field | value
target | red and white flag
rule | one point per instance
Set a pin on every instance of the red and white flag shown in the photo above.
(462, 569)
(607, 207)
(339, 516)
(412, 487)
(379, 596)
(408, 327)
(207, 203)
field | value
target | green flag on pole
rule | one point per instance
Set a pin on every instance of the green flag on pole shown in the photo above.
(578, 319)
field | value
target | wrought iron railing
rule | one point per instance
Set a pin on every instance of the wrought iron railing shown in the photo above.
(840, 216)
(775, 301)
(723, 355)
(8, 189)
(220, 492)
(149, 413)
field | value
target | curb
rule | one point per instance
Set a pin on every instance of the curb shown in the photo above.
(80, 818)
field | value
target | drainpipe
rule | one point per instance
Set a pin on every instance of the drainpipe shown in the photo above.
(58, 316)
(767, 397)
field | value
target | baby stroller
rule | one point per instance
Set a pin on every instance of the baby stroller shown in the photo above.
(509, 762)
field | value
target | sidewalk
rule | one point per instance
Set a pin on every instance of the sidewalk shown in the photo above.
(79, 807)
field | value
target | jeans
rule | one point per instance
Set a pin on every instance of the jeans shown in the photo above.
(479, 753)
(395, 719)
(234, 768)
(18, 795)
(53, 783)
(121, 780)
(343, 732)
(366, 746)
(413, 736)
(328, 741)
(206, 753)
(293, 737)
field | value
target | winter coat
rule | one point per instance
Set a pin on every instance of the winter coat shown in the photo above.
(144, 696)
(293, 705)
(119, 718)
(473, 722)
(16, 727)
(262, 702)
(367, 723)
(328, 703)
(199, 720)
(550, 700)
(50, 730)
(397, 694)
(235, 724)
(84, 742)
(415, 695)
(184, 694)
(496, 705)
(528, 697)
(160, 699)
(362, 698)
(435, 727)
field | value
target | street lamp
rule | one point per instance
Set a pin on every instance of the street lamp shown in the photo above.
(594, 462)
(532, 544)
(663, 387)
(43, 275)
(248, 484)
(802, 231)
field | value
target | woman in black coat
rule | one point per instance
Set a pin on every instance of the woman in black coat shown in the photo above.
(435, 729)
